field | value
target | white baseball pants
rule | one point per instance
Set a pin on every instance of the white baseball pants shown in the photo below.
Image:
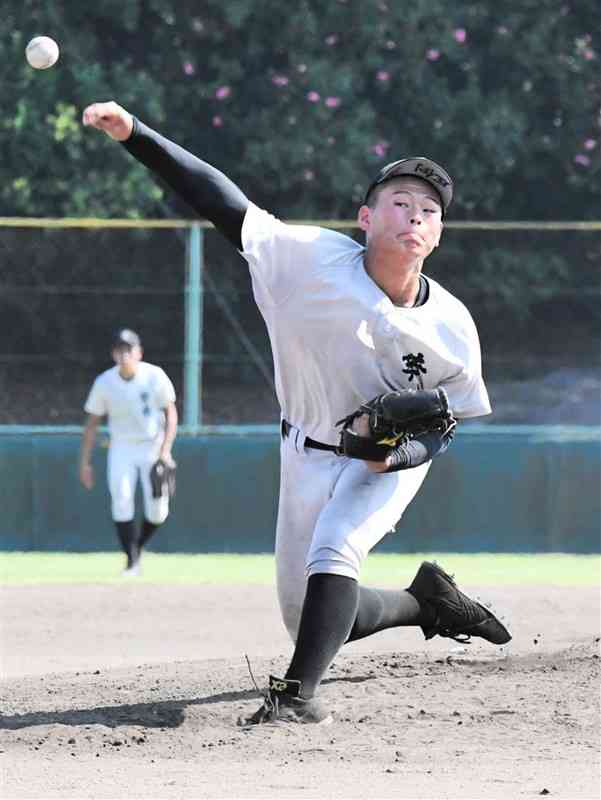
(128, 462)
(332, 511)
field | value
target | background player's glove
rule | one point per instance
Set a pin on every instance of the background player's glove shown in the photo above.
(162, 478)
(394, 419)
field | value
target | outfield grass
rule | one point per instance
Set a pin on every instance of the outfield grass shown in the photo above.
(478, 568)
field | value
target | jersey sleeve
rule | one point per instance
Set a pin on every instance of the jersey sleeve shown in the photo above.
(96, 403)
(279, 255)
(165, 389)
(468, 396)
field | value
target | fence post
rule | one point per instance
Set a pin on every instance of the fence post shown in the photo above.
(193, 323)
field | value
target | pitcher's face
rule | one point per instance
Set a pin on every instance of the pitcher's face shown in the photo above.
(406, 216)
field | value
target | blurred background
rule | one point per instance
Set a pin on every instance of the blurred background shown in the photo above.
(301, 105)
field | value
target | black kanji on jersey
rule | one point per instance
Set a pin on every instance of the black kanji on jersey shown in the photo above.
(415, 366)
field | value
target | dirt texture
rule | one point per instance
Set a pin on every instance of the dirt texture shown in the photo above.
(134, 691)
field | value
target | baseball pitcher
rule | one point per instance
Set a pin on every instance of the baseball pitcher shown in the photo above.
(374, 364)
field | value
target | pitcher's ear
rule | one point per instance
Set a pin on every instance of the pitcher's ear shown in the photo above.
(364, 217)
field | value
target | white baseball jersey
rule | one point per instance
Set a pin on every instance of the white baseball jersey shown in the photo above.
(135, 407)
(337, 341)
(337, 338)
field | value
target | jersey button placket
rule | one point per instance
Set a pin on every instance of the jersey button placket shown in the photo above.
(384, 335)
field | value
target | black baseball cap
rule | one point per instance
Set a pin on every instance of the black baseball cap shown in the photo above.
(126, 337)
(420, 167)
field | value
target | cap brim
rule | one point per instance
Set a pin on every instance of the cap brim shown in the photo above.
(418, 167)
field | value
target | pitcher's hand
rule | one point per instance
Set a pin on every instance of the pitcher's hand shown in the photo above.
(361, 426)
(111, 118)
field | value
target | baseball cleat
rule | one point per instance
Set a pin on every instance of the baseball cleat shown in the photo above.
(282, 703)
(458, 616)
(131, 572)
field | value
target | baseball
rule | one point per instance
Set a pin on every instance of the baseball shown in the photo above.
(41, 52)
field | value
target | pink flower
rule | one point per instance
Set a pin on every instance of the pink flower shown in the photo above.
(590, 144)
(308, 174)
(332, 39)
(223, 92)
(333, 102)
(188, 68)
(313, 97)
(460, 35)
(583, 160)
(433, 55)
(380, 148)
(217, 121)
(588, 54)
(383, 75)
(280, 80)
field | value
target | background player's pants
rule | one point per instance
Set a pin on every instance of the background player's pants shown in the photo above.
(128, 461)
(332, 511)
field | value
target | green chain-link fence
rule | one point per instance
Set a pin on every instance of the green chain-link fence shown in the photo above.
(67, 285)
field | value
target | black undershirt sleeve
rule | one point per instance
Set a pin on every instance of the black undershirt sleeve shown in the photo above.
(209, 192)
(419, 450)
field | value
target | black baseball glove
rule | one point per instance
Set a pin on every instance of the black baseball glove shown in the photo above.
(162, 478)
(394, 419)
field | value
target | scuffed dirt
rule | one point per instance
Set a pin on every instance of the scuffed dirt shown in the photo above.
(412, 720)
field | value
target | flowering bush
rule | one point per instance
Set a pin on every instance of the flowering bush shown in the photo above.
(506, 96)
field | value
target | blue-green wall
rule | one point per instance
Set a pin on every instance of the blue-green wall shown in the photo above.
(507, 490)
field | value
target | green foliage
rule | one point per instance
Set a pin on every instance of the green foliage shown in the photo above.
(302, 103)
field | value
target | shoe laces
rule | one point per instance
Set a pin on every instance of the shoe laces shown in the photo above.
(270, 700)
(462, 638)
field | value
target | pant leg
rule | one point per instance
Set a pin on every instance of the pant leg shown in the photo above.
(156, 509)
(364, 507)
(122, 477)
(305, 484)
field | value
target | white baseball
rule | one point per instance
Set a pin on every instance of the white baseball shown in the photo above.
(42, 52)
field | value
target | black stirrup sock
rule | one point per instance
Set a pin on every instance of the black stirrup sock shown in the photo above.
(126, 531)
(148, 528)
(387, 608)
(328, 614)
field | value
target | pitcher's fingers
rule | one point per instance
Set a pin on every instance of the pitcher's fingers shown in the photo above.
(97, 113)
(89, 115)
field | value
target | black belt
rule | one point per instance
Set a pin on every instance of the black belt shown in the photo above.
(287, 427)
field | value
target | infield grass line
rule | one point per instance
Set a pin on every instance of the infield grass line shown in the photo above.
(491, 569)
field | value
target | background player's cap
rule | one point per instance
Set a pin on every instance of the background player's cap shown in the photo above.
(421, 167)
(126, 337)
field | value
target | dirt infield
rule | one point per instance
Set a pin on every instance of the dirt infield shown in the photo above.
(133, 691)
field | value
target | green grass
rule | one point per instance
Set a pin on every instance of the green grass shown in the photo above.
(479, 568)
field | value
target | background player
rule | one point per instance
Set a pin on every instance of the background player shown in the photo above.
(139, 400)
(346, 323)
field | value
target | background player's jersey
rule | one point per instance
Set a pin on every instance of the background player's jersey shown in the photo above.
(337, 338)
(135, 407)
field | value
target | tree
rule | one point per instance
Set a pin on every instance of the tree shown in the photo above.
(302, 104)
